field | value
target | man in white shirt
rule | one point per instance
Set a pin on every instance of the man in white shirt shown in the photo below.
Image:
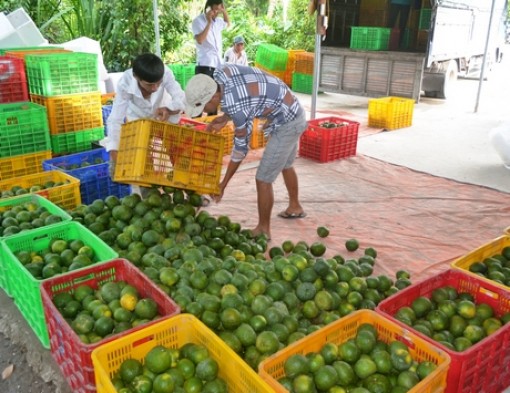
(148, 90)
(207, 30)
(236, 53)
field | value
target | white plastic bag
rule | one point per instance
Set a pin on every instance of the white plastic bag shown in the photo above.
(500, 139)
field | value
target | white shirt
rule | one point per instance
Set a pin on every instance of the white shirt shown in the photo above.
(232, 57)
(129, 104)
(210, 50)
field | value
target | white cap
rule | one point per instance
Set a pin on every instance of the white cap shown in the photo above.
(199, 91)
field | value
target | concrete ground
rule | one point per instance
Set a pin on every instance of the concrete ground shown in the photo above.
(447, 139)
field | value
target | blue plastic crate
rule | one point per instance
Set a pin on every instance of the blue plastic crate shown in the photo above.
(95, 180)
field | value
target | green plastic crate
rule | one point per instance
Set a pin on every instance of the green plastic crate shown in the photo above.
(25, 288)
(272, 57)
(62, 73)
(23, 129)
(370, 38)
(9, 203)
(425, 16)
(75, 142)
(182, 73)
(302, 83)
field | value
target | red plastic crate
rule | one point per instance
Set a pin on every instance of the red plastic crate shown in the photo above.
(197, 125)
(71, 354)
(468, 371)
(13, 81)
(328, 144)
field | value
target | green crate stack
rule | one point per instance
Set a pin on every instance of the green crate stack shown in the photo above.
(182, 73)
(24, 139)
(65, 74)
(272, 57)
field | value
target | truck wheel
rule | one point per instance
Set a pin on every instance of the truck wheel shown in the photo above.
(450, 77)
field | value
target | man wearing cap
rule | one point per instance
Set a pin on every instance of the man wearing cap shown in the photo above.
(246, 93)
(236, 53)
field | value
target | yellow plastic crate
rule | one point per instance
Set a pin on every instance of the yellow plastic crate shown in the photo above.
(174, 333)
(291, 62)
(164, 154)
(227, 132)
(72, 112)
(23, 164)
(489, 249)
(345, 328)
(67, 195)
(390, 112)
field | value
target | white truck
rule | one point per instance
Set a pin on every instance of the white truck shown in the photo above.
(453, 45)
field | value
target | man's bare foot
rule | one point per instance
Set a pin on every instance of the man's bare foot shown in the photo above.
(259, 232)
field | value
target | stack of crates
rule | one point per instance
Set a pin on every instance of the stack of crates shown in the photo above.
(373, 13)
(302, 77)
(13, 81)
(272, 59)
(287, 76)
(24, 139)
(67, 84)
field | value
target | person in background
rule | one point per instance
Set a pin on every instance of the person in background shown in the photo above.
(236, 53)
(147, 90)
(207, 30)
(399, 9)
(246, 93)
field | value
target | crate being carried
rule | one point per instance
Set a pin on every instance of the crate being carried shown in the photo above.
(60, 188)
(226, 132)
(164, 154)
(92, 169)
(23, 129)
(30, 210)
(469, 366)
(25, 277)
(338, 332)
(67, 348)
(175, 333)
(62, 73)
(72, 112)
(330, 138)
(390, 112)
(13, 81)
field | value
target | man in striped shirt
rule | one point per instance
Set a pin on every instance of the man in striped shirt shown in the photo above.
(245, 93)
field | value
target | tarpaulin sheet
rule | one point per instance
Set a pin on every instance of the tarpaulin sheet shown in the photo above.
(415, 221)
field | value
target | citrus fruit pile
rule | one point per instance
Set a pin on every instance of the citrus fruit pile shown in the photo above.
(452, 318)
(257, 300)
(495, 267)
(363, 363)
(189, 369)
(25, 216)
(59, 257)
(97, 313)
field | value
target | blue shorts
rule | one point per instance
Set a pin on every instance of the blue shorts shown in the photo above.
(281, 149)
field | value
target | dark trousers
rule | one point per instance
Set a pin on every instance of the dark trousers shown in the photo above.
(395, 11)
(207, 71)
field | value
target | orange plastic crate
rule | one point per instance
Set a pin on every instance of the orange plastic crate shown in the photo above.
(390, 112)
(287, 76)
(72, 112)
(468, 369)
(304, 63)
(478, 255)
(66, 195)
(20, 54)
(164, 154)
(174, 333)
(23, 164)
(258, 139)
(346, 328)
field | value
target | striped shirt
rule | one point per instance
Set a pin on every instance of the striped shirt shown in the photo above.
(250, 93)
